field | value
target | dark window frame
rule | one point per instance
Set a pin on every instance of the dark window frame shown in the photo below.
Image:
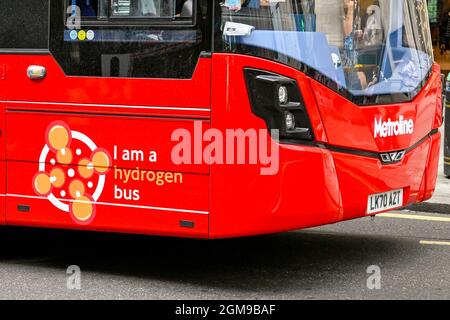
(177, 62)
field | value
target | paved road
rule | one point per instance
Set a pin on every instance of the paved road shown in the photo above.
(326, 262)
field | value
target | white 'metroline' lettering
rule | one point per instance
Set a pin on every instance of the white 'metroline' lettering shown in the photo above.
(390, 128)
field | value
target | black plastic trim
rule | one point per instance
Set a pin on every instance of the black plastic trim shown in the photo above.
(376, 155)
(356, 152)
(206, 54)
(23, 208)
(187, 224)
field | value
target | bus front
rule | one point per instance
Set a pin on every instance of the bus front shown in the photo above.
(355, 97)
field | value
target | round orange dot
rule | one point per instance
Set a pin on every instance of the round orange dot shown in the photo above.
(57, 177)
(82, 209)
(85, 168)
(42, 184)
(101, 161)
(76, 189)
(64, 156)
(58, 137)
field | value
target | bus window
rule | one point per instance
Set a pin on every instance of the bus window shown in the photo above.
(126, 9)
(88, 8)
(20, 29)
(128, 38)
(142, 8)
(362, 49)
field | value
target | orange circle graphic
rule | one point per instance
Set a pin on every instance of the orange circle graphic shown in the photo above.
(58, 137)
(64, 156)
(42, 184)
(101, 161)
(57, 177)
(85, 168)
(82, 209)
(76, 189)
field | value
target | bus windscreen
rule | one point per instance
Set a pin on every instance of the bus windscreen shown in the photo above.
(367, 48)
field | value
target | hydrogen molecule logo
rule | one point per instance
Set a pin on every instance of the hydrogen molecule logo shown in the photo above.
(72, 172)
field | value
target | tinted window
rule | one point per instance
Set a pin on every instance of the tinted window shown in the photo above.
(24, 24)
(150, 9)
(371, 51)
(127, 38)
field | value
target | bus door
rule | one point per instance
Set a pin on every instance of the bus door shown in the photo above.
(93, 124)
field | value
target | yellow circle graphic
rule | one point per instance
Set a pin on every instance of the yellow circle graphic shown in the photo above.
(81, 35)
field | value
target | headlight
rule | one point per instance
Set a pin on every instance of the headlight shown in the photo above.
(278, 101)
(289, 120)
(283, 95)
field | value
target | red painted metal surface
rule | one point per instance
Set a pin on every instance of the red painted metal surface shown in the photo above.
(317, 186)
(352, 126)
(107, 95)
(132, 120)
(314, 185)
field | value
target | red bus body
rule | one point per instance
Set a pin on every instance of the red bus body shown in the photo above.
(316, 184)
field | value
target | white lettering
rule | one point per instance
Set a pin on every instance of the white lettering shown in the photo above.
(390, 128)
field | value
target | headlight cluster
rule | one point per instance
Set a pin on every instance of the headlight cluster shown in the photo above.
(277, 99)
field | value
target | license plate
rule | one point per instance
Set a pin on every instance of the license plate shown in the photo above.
(384, 201)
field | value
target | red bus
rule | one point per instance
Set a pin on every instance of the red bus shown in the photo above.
(214, 119)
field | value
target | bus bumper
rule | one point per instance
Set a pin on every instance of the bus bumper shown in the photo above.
(315, 186)
(359, 177)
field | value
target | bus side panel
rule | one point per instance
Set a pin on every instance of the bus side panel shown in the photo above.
(131, 142)
(158, 212)
(131, 120)
(303, 192)
(140, 190)
(114, 95)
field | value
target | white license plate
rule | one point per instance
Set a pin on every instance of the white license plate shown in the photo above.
(384, 201)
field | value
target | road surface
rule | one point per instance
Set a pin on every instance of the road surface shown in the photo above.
(409, 251)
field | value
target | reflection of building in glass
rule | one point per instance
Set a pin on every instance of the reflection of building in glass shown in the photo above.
(329, 20)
